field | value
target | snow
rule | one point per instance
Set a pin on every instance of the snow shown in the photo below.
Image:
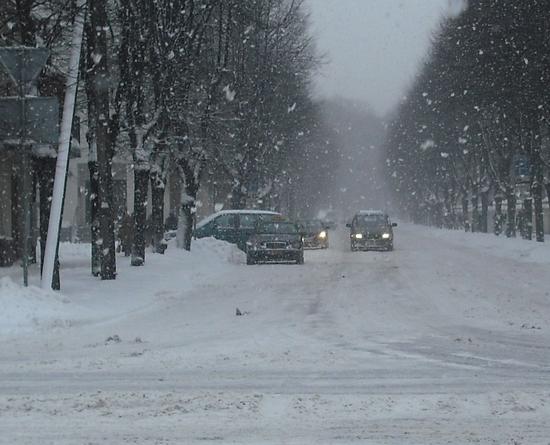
(229, 93)
(444, 340)
(24, 309)
(370, 212)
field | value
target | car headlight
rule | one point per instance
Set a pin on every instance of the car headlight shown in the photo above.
(386, 236)
(323, 235)
(358, 236)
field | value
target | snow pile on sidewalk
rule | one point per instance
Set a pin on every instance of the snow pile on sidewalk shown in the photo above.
(26, 308)
(499, 246)
(178, 271)
(212, 248)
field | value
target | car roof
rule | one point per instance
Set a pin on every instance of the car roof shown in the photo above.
(209, 218)
(370, 212)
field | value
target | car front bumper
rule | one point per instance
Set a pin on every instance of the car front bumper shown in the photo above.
(274, 255)
(315, 243)
(372, 244)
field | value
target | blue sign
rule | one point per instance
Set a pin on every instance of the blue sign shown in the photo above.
(521, 169)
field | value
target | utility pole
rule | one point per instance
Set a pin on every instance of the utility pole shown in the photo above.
(54, 223)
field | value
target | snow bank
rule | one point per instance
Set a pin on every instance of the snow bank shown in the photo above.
(499, 246)
(27, 309)
(24, 309)
(212, 249)
(74, 251)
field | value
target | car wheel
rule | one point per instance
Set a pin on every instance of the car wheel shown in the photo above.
(250, 260)
(390, 247)
(300, 259)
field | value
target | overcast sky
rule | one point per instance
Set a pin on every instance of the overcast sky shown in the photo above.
(373, 47)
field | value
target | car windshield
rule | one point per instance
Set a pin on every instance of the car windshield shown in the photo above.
(312, 226)
(279, 228)
(370, 221)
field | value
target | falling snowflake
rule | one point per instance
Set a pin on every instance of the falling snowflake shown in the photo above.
(96, 57)
(427, 144)
(229, 93)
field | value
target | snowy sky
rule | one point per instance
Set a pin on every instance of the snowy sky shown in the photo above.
(373, 47)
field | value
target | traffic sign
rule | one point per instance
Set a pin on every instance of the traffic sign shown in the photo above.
(521, 169)
(22, 63)
(40, 125)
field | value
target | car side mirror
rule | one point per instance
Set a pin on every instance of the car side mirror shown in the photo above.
(394, 224)
(348, 225)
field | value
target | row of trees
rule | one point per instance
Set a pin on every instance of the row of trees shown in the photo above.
(473, 129)
(185, 87)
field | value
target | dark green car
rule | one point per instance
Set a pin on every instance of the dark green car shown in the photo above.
(275, 241)
(233, 226)
(371, 230)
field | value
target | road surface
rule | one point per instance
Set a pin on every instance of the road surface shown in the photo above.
(440, 341)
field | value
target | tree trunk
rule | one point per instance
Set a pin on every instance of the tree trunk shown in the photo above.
(158, 185)
(185, 222)
(45, 171)
(537, 200)
(539, 215)
(94, 218)
(291, 199)
(498, 216)
(237, 197)
(188, 197)
(26, 22)
(100, 80)
(93, 192)
(528, 218)
(484, 212)
(475, 214)
(141, 183)
(511, 213)
(465, 214)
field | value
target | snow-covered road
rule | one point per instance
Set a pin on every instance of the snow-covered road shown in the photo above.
(444, 340)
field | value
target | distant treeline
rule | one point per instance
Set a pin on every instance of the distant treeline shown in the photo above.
(473, 129)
